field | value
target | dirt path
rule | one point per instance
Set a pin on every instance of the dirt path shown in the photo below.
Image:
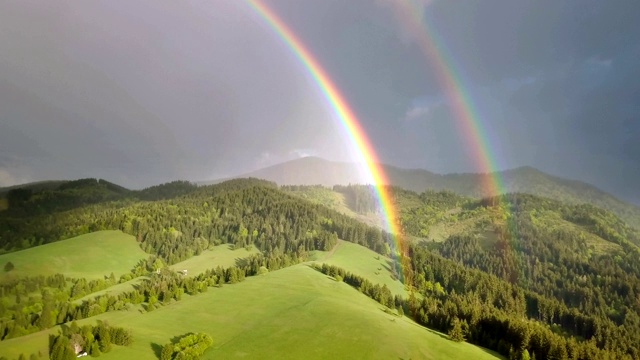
(332, 251)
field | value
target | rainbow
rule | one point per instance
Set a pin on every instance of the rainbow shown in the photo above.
(476, 136)
(463, 107)
(468, 120)
(365, 152)
(450, 78)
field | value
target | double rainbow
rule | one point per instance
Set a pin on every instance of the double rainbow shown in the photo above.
(449, 79)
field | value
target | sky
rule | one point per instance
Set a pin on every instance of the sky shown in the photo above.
(144, 92)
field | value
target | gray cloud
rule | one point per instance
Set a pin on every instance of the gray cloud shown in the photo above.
(141, 92)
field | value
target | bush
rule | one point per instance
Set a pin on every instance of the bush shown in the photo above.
(188, 347)
(9, 266)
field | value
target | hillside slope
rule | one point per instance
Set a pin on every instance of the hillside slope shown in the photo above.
(297, 308)
(316, 171)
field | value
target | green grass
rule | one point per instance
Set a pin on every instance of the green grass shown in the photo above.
(364, 262)
(293, 313)
(221, 255)
(90, 256)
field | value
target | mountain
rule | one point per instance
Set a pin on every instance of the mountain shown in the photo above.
(527, 180)
(35, 186)
(304, 171)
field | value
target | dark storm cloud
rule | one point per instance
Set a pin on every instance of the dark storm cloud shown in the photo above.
(142, 92)
(147, 91)
(553, 81)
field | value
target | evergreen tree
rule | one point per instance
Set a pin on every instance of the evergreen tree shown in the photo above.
(167, 352)
(456, 334)
(45, 320)
(95, 350)
(9, 266)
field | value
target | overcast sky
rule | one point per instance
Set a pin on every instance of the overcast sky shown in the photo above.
(143, 92)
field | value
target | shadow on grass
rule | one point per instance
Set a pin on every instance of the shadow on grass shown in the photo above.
(388, 266)
(388, 311)
(177, 338)
(157, 349)
(241, 262)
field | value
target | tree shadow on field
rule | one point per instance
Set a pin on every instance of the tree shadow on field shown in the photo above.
(177, 338)
(435, 332)
(388, 311)
(157, 349)
(241, 262)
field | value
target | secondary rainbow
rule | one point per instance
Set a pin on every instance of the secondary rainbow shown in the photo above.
(476, 136)
(411, 13)
(347, 117)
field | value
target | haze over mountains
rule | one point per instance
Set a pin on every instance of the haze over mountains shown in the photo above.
(528, 180)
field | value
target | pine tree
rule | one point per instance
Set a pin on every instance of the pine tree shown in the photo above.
(456, 333)
(45, 320)
(167, 352)
(95, 350)
(9, 266)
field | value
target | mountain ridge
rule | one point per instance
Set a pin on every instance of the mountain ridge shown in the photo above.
(524, 179)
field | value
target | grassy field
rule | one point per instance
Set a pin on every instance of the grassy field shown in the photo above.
(221, 255)
(364, 262)
(90, 256)
(293, 313)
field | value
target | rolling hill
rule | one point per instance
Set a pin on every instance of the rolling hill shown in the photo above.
(317, 171)
(91, 256)
(498, 266)
(297, 309)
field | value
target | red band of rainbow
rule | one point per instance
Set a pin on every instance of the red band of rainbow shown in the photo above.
(348, 119)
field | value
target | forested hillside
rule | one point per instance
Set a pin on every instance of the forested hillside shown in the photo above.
(576, 267)
(317, 171)
(519, 274)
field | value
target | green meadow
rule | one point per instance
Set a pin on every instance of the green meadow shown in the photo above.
(364, 262)
(293, 313)
(221, 255)
(90, 256)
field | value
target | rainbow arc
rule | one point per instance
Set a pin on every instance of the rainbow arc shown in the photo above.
(464, 110)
